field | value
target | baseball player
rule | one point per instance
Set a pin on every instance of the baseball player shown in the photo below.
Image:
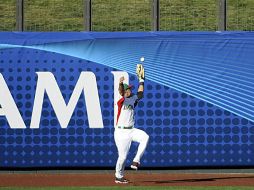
(125, 132)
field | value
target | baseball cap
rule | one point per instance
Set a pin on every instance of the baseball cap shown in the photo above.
(126, 86)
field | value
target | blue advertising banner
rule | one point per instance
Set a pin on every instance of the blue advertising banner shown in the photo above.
(58, 94)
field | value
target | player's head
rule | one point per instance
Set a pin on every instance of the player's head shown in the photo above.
(127, 90)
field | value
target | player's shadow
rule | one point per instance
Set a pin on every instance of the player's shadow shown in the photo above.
(196, 180)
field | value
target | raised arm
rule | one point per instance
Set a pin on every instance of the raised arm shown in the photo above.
(141, 87)
(141, 77)
(140, 90)
(121, 89)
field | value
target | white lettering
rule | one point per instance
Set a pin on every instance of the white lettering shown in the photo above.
(47, 84)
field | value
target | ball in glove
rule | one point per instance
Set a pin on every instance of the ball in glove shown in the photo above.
(140, 71)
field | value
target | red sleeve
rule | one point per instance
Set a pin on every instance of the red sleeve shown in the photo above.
(120, 105)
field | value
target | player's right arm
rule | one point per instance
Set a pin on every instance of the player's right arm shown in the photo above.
(121, 88)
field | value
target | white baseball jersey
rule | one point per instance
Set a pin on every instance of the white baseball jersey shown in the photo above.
(125, 116)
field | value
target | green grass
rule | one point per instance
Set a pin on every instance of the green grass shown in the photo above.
(122, 15)
(7, 15)
(130, 188)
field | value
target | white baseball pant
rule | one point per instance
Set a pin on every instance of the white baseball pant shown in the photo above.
(123, 139)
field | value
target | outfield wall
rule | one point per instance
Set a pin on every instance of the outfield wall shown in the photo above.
(57, 98)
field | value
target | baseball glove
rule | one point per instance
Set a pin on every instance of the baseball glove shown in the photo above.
(140, 71)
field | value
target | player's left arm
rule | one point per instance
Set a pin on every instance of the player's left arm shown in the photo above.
(141, 77)
(140, 93)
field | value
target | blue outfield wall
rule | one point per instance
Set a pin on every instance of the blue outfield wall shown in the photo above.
(198, 107)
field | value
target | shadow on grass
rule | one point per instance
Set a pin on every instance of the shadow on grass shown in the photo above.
(197, 180)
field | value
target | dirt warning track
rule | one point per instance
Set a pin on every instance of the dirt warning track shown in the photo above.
(136, 179)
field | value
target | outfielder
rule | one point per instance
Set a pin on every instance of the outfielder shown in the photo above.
(125, 132)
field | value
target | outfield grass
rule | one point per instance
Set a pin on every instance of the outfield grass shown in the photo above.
(129, 188)
(122, 15)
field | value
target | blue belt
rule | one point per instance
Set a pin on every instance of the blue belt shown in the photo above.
(123, 127)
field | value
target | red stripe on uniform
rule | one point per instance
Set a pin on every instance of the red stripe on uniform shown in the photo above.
(120, 105)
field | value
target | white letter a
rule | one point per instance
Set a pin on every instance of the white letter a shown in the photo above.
(9, 108)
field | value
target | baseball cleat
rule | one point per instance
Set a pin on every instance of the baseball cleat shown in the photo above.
(135, 165)
(121, 180)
